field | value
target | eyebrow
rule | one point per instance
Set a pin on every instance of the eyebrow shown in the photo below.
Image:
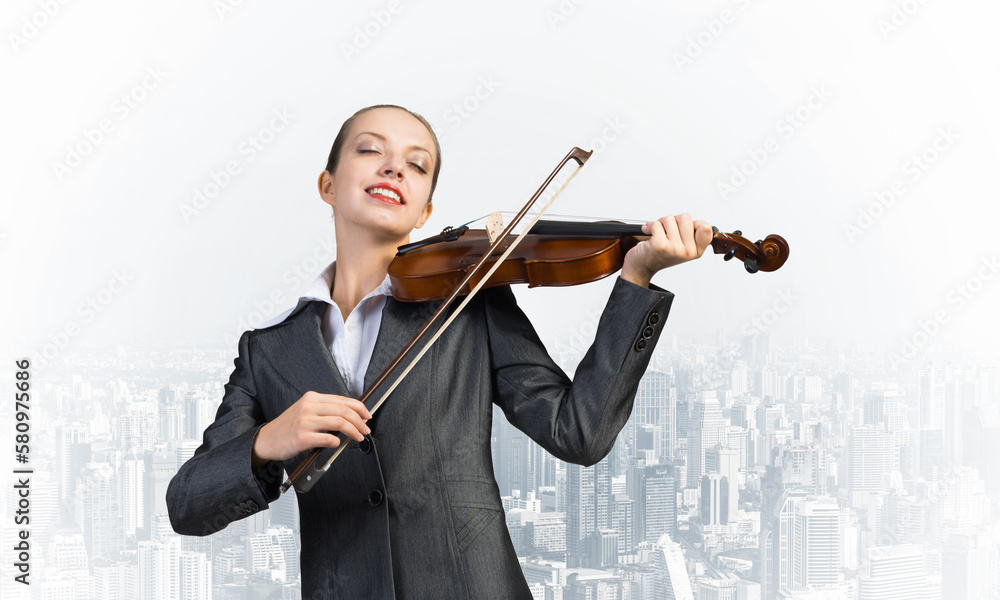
(383, 138)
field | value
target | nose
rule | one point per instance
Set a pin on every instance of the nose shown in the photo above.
(392, 168)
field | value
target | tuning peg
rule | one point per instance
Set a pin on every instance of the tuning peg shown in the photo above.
(737, 232)
(729, 255)
(751, 265)
(758, 243)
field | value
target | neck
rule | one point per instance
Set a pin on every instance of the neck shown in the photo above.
(361, 267)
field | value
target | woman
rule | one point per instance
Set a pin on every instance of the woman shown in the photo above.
(411, 509)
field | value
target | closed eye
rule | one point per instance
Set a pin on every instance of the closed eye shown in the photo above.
(419, 168)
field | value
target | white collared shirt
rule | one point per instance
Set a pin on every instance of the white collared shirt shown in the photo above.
(350, 342)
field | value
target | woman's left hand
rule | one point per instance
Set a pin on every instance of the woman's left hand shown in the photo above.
(673, 240)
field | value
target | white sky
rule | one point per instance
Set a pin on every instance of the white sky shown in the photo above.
(878, 98)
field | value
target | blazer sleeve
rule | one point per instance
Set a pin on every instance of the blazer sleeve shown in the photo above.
(575, 420)
(217, 485)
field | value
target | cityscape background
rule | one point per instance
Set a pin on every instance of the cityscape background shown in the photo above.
(750, 468)
(825, 430)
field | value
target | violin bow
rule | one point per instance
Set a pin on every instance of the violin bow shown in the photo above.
(312, 468)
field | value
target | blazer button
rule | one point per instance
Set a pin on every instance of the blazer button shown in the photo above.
(365, 445)
(647, 332)
(241, 511)
(252, 504)
(640, 345)
(375, 498)
(654, 318)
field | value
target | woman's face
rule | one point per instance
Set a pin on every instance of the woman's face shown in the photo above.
(382, 182)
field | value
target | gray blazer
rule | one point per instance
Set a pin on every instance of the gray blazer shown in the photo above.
(414, 511)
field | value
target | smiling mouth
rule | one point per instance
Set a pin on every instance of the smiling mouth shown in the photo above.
(385, 194)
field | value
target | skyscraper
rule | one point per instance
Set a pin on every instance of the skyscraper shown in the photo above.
(815, 543)
(588, 507)
(656, 405)
(714, 499)
(777, 528)
(969, 568)
(871, 454)
(707, 429)
(98, 513)
(672, 581)
(159, 569)
(131, 497)
(195, 572)
(654, 490)
(726, 462)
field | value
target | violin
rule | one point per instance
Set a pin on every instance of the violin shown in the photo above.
(553, 253)
(459, 262)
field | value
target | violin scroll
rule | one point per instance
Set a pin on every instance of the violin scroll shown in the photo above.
(763, 255)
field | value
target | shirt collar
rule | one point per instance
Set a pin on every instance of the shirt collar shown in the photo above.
(320, 289)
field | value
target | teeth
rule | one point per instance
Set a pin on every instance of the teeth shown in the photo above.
(385, 192)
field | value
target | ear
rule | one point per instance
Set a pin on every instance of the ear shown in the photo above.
(426, 214)
(325, 185)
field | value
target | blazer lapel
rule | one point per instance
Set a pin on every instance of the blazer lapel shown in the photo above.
(297, 350)
(400, 322)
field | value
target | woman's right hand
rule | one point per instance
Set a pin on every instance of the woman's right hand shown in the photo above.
(306, 425)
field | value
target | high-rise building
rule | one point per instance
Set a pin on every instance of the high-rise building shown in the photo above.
(511, 459)
(963, 502)
(907, 519)
(273, 550)
(930, 397)
(815, 543)
(160, 466)
(623, 521)
(72, 454)
(871, 454)
(930, 454)
(893, 572)
(654, 490)
(738, 378)
(112, 580)
(136, 430)
(656, 405)
(199, 413)
(131, 496)
(195, 576)
(604, 548)
(98, 513)
(718, 589)
(737, 440)
(726, 462)
(707, 429)
(714, 499)
(804, 467)
(776, 531)
(671, 580)
(969, 568)
(580, 517)
(225, 562)
(159, 569)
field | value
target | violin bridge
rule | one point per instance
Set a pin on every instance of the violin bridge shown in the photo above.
(494, 226)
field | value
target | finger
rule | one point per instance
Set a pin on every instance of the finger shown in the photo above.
(670, 228)
(351, 426)
(703, 235)
(321, 439)
(686, 230)
(335, 405)
(656, 232)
